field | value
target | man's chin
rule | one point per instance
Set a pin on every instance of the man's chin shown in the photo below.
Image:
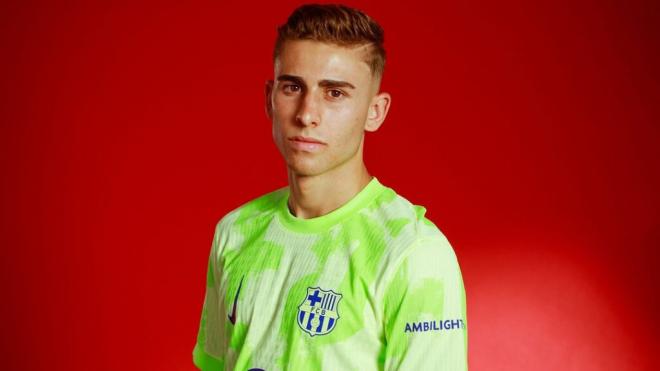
(305, 169)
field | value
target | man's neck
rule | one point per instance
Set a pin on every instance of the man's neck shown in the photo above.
(314, 196)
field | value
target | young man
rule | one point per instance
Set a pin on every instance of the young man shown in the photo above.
(335, 271)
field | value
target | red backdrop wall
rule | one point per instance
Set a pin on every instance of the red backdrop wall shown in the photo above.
(529, 130)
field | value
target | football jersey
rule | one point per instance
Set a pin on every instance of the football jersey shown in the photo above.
(372, 285)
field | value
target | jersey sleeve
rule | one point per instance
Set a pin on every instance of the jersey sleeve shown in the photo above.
(424, 310)
(207, 351)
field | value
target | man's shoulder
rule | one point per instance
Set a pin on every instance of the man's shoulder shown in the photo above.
(253, 210)
(401, 216)
(405, 228)
(407, 234)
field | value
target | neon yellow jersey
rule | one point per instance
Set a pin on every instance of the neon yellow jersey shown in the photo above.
(373, 285)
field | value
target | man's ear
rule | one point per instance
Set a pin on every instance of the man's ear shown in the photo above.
(268, 92)
(380, 105)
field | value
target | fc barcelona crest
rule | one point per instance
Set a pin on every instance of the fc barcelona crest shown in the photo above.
(317, 314)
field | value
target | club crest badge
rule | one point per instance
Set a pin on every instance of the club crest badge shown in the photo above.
(318, 314)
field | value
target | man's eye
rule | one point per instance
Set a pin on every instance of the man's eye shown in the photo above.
(335, 93)
(291, 88)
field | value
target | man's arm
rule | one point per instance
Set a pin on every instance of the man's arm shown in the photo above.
(424, 310)
(210, 336)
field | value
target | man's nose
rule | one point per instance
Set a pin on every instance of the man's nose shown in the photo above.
(308, 111)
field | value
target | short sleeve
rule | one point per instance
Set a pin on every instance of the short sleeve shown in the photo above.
(207, 351)
(424, 310)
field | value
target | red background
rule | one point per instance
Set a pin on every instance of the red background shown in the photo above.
(529, 131)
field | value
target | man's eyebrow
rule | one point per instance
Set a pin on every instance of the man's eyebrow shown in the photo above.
(327, 83)
(336, 84)
(291, 78)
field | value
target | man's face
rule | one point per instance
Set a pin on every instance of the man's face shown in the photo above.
(319, 102)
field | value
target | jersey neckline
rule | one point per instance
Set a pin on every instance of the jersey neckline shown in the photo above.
(361, 199)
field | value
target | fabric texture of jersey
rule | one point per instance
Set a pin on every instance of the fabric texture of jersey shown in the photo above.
(373, 285)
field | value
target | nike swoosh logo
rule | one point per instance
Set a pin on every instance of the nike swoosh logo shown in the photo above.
(232, 316)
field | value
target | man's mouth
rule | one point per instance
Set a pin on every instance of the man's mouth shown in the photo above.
(306, 144)
(300, 138)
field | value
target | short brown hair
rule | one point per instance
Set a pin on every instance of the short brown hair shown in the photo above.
(335, 24)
